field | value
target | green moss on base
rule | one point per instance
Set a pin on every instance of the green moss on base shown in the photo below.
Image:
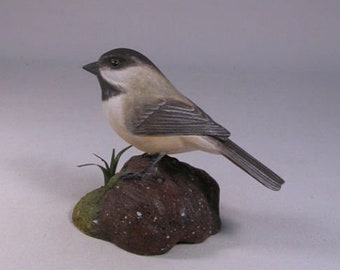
(85, 213)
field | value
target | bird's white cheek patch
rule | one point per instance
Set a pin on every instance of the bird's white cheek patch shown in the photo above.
(119, 76)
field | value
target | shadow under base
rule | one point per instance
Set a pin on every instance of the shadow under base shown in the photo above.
(173, 203)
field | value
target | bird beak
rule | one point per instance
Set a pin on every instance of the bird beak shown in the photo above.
(92, 68)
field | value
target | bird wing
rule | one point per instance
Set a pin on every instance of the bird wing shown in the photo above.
(173, 117)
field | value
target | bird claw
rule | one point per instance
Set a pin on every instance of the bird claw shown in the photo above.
(142, 176)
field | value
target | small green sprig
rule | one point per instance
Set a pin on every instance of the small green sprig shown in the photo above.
(108, 171)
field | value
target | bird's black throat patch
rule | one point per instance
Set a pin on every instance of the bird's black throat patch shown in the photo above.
(108, 90)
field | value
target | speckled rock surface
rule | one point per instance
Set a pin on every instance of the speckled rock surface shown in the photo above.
(175, 204)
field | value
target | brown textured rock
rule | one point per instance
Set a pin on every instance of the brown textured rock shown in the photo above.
(149, 216)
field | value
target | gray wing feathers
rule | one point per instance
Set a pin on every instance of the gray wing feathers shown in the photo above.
(176, 118)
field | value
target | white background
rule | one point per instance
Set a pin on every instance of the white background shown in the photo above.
(266, 70)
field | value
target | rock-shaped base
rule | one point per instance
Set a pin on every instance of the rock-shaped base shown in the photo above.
(173, 203)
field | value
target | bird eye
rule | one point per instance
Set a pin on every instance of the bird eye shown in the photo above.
(115, 62)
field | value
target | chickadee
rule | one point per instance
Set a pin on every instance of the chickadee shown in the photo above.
(147, 111)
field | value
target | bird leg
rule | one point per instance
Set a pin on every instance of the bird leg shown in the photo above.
(144, 173)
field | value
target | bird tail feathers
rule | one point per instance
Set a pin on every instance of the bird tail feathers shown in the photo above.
(251, 165)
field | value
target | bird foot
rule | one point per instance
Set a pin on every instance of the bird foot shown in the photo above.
(142, 175)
